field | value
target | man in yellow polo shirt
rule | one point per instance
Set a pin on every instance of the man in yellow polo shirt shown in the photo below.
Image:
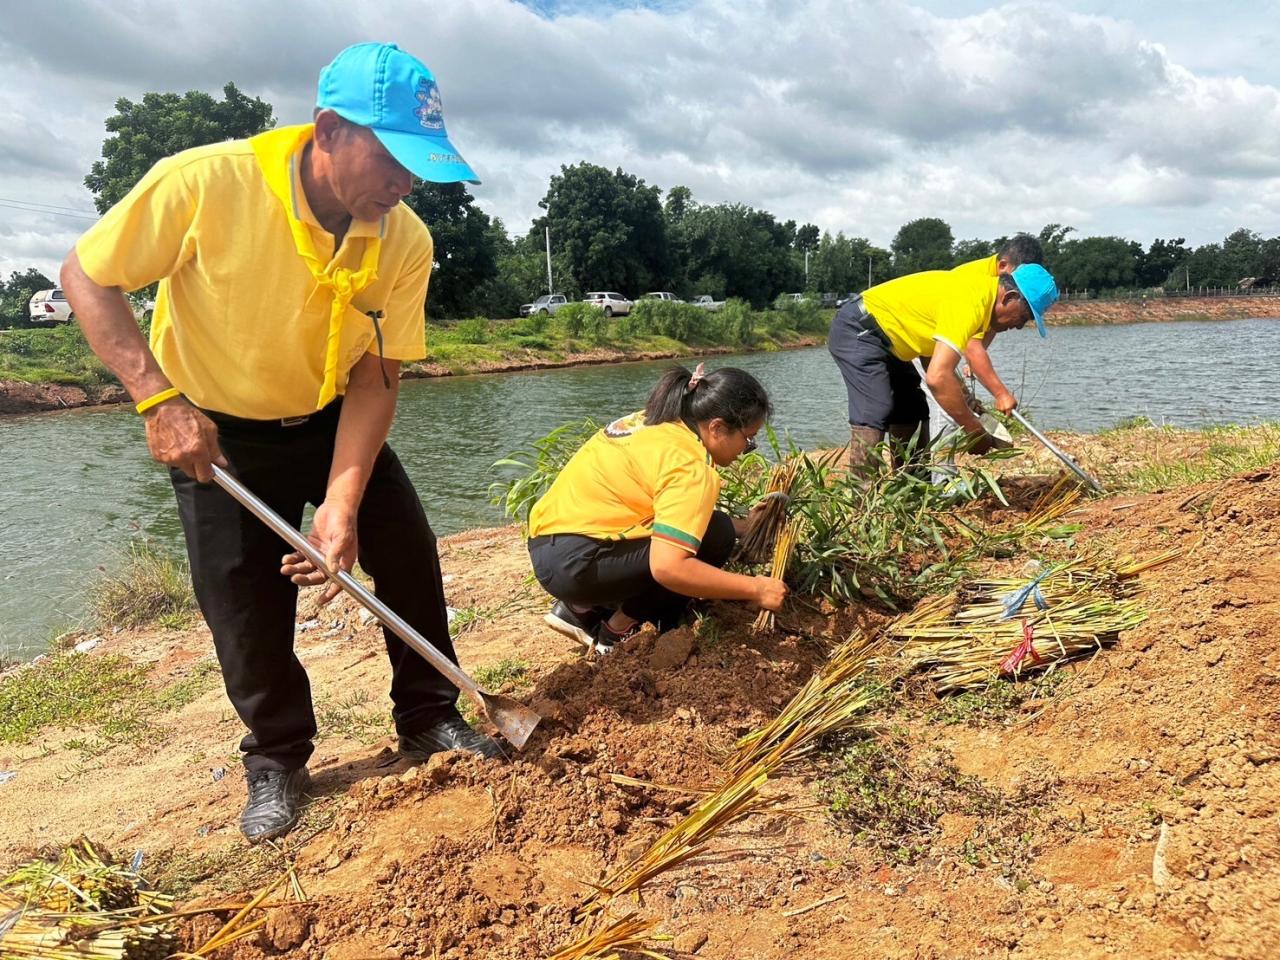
(936, 315)
(1019, 249)
(292, 285)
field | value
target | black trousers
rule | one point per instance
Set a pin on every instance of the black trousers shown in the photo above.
(615, 573)
(883, 390)
(251, 607)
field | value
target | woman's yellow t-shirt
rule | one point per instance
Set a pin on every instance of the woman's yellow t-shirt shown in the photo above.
(632, 481)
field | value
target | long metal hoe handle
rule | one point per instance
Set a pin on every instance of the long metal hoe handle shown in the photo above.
(389, 617)
(1058, 452)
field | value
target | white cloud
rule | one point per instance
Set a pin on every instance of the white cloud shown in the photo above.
(855, 114)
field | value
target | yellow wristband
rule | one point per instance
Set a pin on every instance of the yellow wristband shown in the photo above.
(158, 398)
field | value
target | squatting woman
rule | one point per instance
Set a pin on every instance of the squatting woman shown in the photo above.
(628, 533)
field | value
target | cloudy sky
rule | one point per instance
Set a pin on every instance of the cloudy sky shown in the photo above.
(1145, 119)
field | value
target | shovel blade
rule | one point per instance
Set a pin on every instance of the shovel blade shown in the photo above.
(513, 719)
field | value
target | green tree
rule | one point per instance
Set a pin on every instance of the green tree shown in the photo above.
(1097, 263)
(739, 252)
(467, 245)
(967, 250)
(1241, 255)
(1052, 236)
(807, 238)
(15, 295)
(1163, 259)
(163, 124)
(608, 226)
(834, 267)
(923, 244)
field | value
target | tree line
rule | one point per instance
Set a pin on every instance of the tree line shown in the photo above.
(610, 230)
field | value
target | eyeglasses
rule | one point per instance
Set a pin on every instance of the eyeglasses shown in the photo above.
(751, 443)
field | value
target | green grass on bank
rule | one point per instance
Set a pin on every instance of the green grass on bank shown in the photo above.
(105, 699)
(1180, 458)
(50, 355)
(150, 586)
(465, 346)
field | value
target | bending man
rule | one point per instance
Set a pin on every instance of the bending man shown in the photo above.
(936, 315)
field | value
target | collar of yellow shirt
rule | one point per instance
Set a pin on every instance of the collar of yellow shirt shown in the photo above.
(278, 153)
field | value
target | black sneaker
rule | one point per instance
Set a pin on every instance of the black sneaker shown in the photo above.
(274, 798)
(451, 733)
(575, 626)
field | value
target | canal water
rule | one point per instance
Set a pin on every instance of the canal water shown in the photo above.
(76, 486)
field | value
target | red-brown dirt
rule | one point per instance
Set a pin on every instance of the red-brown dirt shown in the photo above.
(1156, 773)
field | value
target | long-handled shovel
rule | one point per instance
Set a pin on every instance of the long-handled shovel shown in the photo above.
(513, 719)
(1058, 452)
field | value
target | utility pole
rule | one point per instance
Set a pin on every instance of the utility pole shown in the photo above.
(550, 287)
(868, 272)
(1188, 278)
(806, 269)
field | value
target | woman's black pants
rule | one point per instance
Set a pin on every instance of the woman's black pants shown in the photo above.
(615, 573)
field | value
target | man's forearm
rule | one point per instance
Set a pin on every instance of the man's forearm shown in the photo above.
(368, 408)
(949, 392)
(112, 332)
(983, 369)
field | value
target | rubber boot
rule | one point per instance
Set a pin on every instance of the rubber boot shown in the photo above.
(911, 446)
(862, 444)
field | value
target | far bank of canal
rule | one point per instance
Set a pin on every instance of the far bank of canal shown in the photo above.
(76, 486)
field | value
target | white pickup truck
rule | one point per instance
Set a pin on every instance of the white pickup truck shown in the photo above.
(707, 302)
(662, 295)
(49, 306)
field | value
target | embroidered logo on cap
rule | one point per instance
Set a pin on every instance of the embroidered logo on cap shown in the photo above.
(431, 113)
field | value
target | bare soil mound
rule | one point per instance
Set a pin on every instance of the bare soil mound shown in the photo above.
(1130, 811)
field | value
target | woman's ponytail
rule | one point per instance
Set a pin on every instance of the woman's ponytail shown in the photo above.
(730, 394)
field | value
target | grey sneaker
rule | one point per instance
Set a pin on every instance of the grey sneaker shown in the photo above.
(451, 733)
(274, 799)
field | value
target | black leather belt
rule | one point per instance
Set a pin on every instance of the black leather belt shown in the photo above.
(330, 412)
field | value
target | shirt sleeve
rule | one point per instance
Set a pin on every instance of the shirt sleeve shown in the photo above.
(684, 501)
(146, 236)
(964, 312)
(405, 327)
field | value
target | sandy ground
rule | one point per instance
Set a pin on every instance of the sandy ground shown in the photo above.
(1147, 825)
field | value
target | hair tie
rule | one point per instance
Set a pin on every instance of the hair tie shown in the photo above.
(699, 373)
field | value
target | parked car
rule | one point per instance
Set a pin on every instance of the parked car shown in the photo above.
(613, 304)
(829, 301)
(707, 302)
(547, 304)
(49, 306)
(526, 309)
(662, 295)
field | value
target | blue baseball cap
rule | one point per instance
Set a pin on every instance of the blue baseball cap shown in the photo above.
(1036, 285)
(379, 86)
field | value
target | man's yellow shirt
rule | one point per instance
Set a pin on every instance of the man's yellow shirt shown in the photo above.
(240, 324)
(921, 309)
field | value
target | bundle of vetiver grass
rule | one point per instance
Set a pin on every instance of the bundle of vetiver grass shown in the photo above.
(82, 906)
(736, 798)
(629, 933)
(782, 548)
(832, 700)
(1010, 626)
(766, 521)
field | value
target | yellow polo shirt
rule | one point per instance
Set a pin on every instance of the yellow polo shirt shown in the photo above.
(629, 482)
(921, 309)
(240, 325)
(986, 267)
